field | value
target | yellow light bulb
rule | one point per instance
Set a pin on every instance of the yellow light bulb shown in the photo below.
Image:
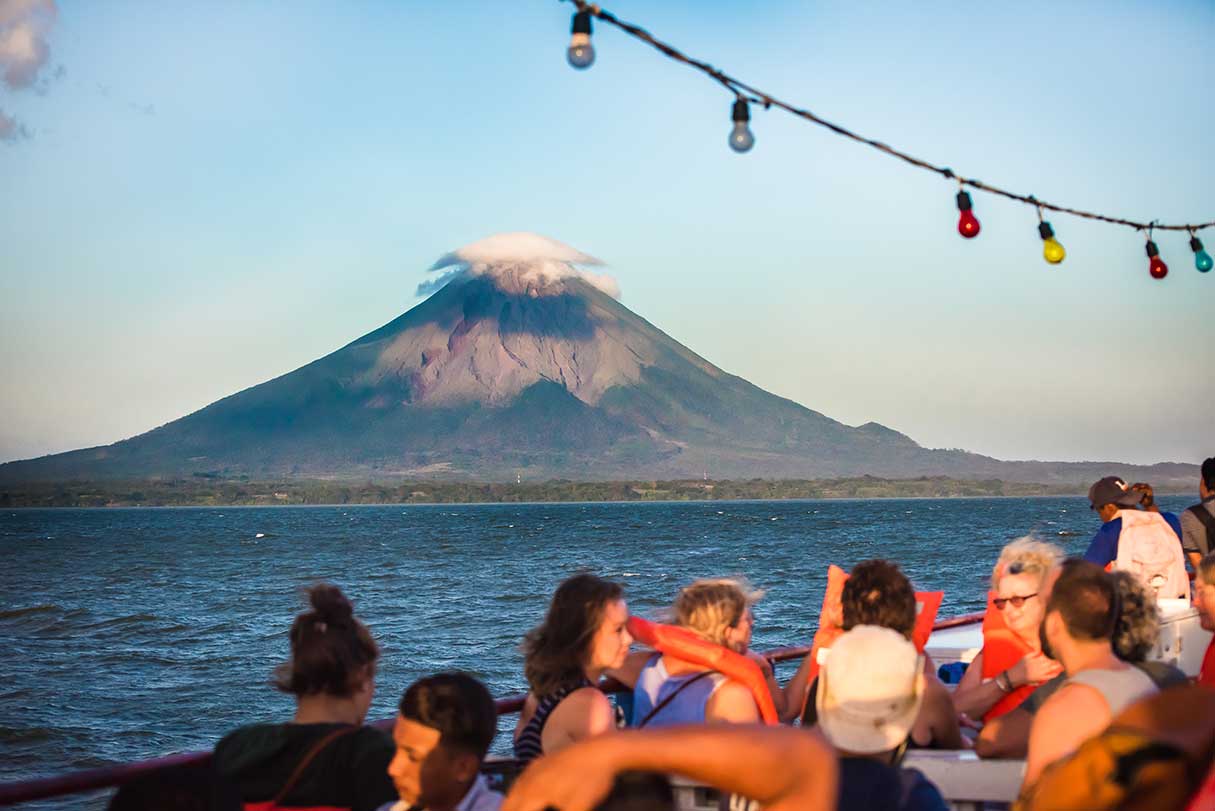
(1052, 251)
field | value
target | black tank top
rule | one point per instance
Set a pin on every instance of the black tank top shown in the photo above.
(528, 746)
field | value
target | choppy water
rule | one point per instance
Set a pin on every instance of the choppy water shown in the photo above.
(133, 633)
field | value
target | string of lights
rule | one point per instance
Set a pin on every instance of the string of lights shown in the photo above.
(581, 55)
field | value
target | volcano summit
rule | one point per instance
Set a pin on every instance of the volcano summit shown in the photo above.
(521, 362)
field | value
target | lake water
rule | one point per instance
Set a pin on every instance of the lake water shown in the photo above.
(132, 633)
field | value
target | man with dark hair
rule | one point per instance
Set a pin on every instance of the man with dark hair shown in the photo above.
(1134, 639)
(878, 593)
(444, 729)
(1198, 522)
(1078, 631)
(1147, 543)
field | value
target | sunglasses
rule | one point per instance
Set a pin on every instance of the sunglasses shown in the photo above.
(1017, 602)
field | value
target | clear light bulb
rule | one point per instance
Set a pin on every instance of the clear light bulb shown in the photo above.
(1052, 251)
(1202, 259)
(581, 54)
(741, 137)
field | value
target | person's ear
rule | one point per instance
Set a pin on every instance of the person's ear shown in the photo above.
(1054, 623)
(465, 766)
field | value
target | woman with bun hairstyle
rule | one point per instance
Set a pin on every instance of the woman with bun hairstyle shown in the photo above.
(582, 636)
(324, 758)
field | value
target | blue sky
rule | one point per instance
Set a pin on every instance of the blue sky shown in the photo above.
(213, 194)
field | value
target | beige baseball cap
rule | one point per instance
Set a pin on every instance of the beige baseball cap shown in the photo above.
(870, 690)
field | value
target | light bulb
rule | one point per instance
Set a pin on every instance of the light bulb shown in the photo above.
(1202, 259)
(968, 223)
(1052, 251)
(741, 137)
(581, 53)
(1156, 265)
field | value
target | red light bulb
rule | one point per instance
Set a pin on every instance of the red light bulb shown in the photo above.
(1156, 265)
(968, 223)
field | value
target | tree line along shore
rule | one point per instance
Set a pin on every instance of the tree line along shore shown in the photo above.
(206, 491)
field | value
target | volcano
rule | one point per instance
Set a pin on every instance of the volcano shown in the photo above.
(521, 364)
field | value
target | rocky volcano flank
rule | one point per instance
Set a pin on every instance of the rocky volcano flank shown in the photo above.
(520, 364)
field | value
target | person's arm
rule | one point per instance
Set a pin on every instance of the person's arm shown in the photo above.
(1103, 549)
(780, 697)
(1006, 736)
(525, 714)
(973, 696)
(732, 702)
(1032, 668)
(582, 714)
(795, 692)
(936, 725)
(1068, 718)
(782, 769)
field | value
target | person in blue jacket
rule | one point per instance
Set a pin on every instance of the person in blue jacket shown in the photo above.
(1108, 497)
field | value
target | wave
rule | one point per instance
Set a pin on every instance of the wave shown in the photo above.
(46, 608)
(118, 622)
(19, 734)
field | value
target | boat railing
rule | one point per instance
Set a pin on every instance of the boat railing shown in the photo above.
(117, 774)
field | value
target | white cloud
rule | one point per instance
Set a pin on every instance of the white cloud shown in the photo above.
(24, 25)
(520, 260)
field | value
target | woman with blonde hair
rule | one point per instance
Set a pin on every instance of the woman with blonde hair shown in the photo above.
(668, 690)
(1011, 664)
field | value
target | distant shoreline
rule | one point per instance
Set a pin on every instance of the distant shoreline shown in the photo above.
(212, 492)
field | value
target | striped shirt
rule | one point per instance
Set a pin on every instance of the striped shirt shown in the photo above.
(528, 745)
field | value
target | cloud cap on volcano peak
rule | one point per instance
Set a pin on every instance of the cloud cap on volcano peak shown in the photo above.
(518, 261)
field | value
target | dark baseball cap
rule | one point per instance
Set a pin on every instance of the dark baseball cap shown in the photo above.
(1112, 490)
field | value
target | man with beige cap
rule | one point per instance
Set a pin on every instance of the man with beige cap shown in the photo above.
(869, 694)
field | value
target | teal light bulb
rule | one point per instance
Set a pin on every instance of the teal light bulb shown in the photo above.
(1202, 259)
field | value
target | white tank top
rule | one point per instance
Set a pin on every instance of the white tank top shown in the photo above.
(1119, 688)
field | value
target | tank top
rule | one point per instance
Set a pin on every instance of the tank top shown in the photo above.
(1119, 688)
(528, 746)
(654, 684)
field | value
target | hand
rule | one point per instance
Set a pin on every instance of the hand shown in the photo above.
(765, 666)
(1034, 668)
(569, 780)
(966, 722)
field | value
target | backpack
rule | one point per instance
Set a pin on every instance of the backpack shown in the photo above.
(1154, 756)
(1150, 549)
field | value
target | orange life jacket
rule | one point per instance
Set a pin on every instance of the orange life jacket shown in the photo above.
(831, 618)
(1002, 649)
(683, 644)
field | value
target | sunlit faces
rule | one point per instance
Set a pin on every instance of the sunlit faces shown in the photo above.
(611, 643)
(426, 773)
(1204, 601)
(1022, 619)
